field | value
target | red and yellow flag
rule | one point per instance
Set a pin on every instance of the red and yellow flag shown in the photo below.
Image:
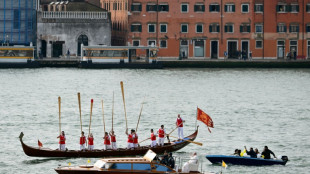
(40, 144)
(205, 118)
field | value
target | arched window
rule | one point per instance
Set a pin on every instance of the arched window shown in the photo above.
(83, 39)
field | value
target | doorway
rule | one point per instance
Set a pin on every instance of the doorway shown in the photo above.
(43, 48)
(245, 49)
(183, 49)
(199, 48)
(232, 49)
(83, 39)
(281, 49)
(214, 49)
(57, 49)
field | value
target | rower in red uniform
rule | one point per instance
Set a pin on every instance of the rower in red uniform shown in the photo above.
(153, 139)
(161, 135)
(130, 139)
(179, 124)
(90, 142)
(62, 141)
(113, 140)
(82, 142)
(107, 143)
(135, 139)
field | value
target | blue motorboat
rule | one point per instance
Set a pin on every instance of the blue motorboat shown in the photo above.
(247, 161)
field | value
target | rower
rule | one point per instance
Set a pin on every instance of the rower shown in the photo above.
(179, 124)
(107, 143)
(82, 142)
(90, 142)
(161, 135)
(135, 139)
(62, 141)
(153, 139)
(130, 139)
(113, 140)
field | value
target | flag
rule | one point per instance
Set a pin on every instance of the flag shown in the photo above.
(205, 118)
(40, 144)
(224, 164)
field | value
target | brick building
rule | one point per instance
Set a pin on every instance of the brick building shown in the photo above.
(207, 29)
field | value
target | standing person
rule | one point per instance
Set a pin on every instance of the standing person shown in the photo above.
(90, 142)
(179, 124)
(251, 152)
(161, 135)
(107, 143)
(266, 153)
(62, 141)
(130, 139)
(68, 54)
(135, 139)
(250, 55)
(82, 141)
(225, 55)
(171, 162)
(295, 54)
(153, 139)
(113, 140)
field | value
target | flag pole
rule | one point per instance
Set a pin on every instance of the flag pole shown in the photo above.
(196, 118)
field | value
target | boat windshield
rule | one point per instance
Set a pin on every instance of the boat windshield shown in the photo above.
(121, 166)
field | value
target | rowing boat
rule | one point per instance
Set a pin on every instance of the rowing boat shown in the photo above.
(97, 153)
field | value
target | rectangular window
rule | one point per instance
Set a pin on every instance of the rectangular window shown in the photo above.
(229, 28)
(199, 28)
(184, 8)
(245, 8)
(230, 8)
(136, 28)
(259, 44)
(151, 43)
(184, 28)
(258, 28)
(294, 28)
(245, 28)
(281, 28)
(293, 43)
(282, 8)
(136, 43)
(163, 44)
(214, 8)
(163, 28)
(199, 8)
(308, 28)
(259, 8)
(151, 7)
(136, 7)
(151, 28)
(294, 8)
(163, 8)
(308, 8)
(214, 28)
(16, 19)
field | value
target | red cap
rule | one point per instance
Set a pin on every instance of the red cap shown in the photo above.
(92, 100)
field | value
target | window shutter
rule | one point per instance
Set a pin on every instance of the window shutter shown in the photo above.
(217, 28)
(147, 8)
(140, 7)
(195, 8)
(226, 28)
(241, 28)
(277, 28)
(278, 8)
(290, 29)
(132, 8)
(297, 28)
(210, 28)
(203, 8)
(255, 6)
(288, 8)
(307, 8)
(217, 8)
(231, 28)
(297, 8)
(262, 8)
(132, 28)
(308, 28)
(225, 8)
(233, 8)
(210, 8)
(248, 28)
(285, 29)
(140, 28)
(167, 7)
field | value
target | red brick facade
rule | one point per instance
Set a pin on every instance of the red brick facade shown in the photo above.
(207, 29)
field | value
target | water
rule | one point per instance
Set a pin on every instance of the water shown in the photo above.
(252, 107)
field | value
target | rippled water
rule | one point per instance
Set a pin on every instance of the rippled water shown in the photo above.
(252, 107)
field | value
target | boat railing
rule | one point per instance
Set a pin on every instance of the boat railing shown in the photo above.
(180, 161)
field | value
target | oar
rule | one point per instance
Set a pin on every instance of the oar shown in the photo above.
(175, 129)
(144, 140)
(140, 114)
(122, 87)
(91, 111)
(113, 111)
(59, 106)
(79, 98)
(103, 115)
(200, 144)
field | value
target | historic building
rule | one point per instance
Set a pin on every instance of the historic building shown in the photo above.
(221, 28)
(17, 22)
(63, 26)
(119, 19)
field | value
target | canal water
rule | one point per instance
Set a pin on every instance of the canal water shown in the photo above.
(249, 107)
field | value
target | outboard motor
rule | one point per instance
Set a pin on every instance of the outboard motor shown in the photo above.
(284, 158)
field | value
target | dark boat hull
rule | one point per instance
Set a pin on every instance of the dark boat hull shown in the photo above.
(45, 152)
(247, 161)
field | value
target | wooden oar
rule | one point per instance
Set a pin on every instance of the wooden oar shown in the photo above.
(122, 87)
(91, 111)
(59, 106)
(174, 129)
(144, 140)
(103, 115)
(79, 98)
(113, 111)
(200, 144)
(140, 114)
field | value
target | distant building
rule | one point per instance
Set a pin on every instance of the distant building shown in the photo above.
(198, 29)
(17, 22)
(64, 26)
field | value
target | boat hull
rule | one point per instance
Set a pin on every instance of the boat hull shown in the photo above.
(247, 161)
(97, 153)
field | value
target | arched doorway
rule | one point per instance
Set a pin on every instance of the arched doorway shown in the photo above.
(83, 39)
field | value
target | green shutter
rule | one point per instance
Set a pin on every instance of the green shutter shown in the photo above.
(297, 28)
(210, 28)
(307, 8)
(262, 8)
(167, 7)
(132, 8)
(241, 28)
(277, 28)
(297, 8)
(195, 8)
(218, 28)
(225, 28)
(285, 29)
(278, 8)
(203, 8)
(210, 8)
(225, 8)
(132, 28)
(147, 7)
(217, 8)
(233, 8)
(290, 29)
(140, 28)
(288, 8)
(249, 28)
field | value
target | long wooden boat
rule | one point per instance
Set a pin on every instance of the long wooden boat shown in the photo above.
(246, 161)
(98, 153)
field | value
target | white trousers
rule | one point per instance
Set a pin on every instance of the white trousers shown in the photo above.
(106, 147)
(62, 147)
(153, 143)
(129, 145)
(161, 141)
(82, 146)
(135, 145)
(90, 147)
(180, 133)
(114, 147)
